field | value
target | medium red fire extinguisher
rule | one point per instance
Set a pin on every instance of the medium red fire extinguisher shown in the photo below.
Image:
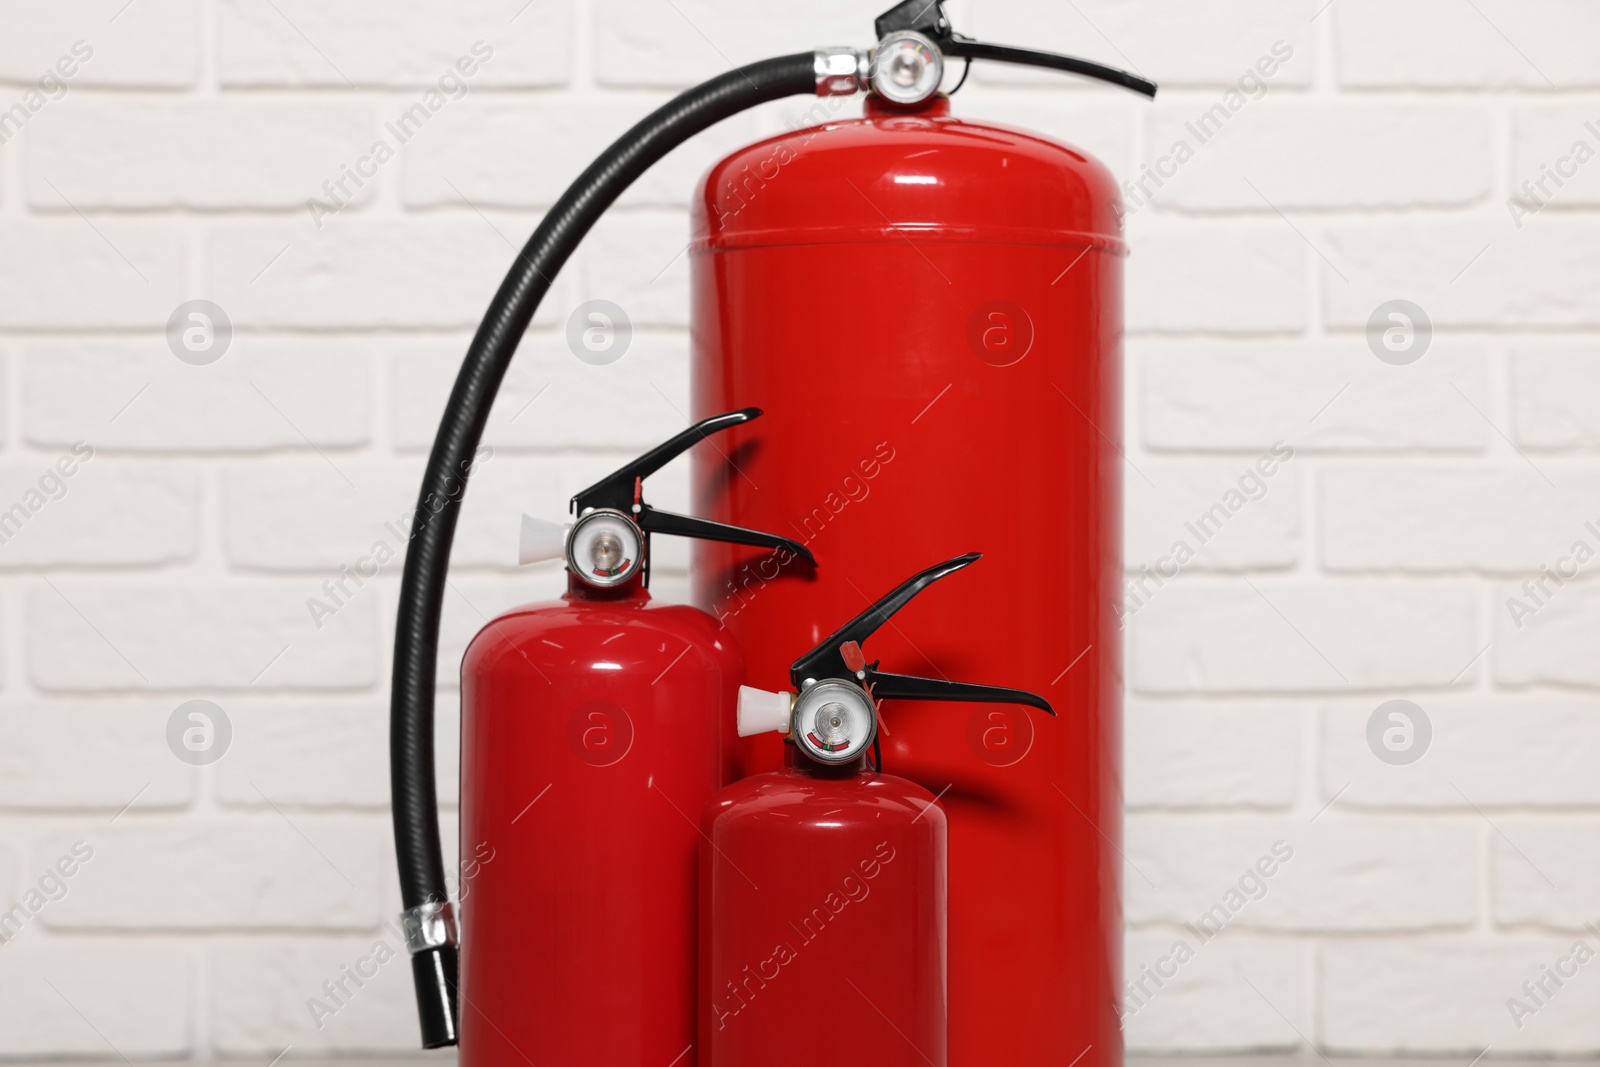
(594, 729)
(985, 263)
(823, 883)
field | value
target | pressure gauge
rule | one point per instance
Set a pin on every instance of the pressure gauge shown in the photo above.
(833, 721)
(605, 548)
(907, 68)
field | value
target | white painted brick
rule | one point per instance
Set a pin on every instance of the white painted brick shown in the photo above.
(1211, 756)
(135, 271)
(1328, 395)
(1545, 873)
(192, 154)
(1210, 1005)
(1201, 636)
(311, 515)
(356, 272)
(49, 519)
(1432, 518)
(1466, 274)
(81, 756)
(185, 637)
(449, 849)
(10, 873)
(420, 376)
(302, 515)
(470, 606)
(495, 153)
(668, 489)
(314, 872)
(1103, 128)
(639, 43)
(108, 998)
(55, 870)
(406, 44)
(1258, 526)
(1302, 155)
(639, 261)
(8, 667)
(523, 154)
(517, 488)
(262, 992)
(503, 490)
(1546, 638)
(1233, 278)
(1437, 44)
(551, 399)
(803, 112)
(320, 754)
(672, 182)
(134, 395)
(1555, 396)
(1342, 875)
(151, 44)
(446, 759)
(1552, 149)
(1436, 997)
(1500, 751)
(1172, 42)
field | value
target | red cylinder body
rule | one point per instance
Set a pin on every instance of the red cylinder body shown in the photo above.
(594, 729)
(822, 922)
(929, 311)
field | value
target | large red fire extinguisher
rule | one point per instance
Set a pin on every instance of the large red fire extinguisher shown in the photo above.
(983, 319)
(593, 730)
(929, 308)
(823, 883)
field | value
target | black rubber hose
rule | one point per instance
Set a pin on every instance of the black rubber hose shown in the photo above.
(416, 641)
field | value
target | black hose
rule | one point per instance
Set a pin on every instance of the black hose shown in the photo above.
(416, 641)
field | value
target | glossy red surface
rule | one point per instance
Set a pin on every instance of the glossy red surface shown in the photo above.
(822, 925)
(930, 312)
(594, 729)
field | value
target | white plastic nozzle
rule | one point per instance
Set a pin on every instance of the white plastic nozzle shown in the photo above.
(761, 712)
(541, 540)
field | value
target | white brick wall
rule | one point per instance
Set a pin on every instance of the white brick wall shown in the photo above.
(1425, 150)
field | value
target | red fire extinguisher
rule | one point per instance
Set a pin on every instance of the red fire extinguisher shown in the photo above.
(594, 729)
(986, 272)
(823, 883)
(983, 265)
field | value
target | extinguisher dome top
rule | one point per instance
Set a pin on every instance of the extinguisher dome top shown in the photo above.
(898, 173)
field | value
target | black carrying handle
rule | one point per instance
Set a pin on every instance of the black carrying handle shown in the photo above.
(927, 17)
(617, 491)
(886, 686)
(961, 48)
(827, 660)
(667, 522)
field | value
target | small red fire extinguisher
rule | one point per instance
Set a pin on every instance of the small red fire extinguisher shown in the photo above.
(593, 730)
(823, 884)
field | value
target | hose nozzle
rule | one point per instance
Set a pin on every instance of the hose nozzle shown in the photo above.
(430, 933)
